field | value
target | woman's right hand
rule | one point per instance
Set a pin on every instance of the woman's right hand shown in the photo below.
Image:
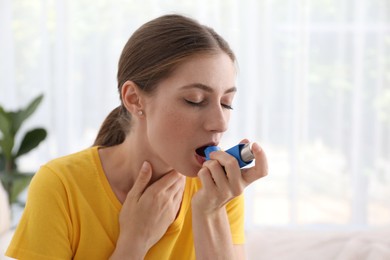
(147, 212)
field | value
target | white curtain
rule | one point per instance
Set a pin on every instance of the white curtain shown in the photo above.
(314, 90)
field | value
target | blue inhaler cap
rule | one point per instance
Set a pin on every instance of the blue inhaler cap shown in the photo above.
(210, 149)
(242, 152)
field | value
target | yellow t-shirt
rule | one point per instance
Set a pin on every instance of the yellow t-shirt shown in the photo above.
(72, 213)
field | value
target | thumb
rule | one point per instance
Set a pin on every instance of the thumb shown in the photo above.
(142, 180)
(261, 166)
(244, 141)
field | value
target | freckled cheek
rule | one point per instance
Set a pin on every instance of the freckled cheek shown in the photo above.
(182, 124)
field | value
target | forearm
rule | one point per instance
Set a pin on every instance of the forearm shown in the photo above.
(212, 236)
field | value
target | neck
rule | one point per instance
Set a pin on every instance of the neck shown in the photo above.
(122, 163)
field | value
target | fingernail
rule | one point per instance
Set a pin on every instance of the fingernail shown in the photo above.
(256, 146)
(144, 167)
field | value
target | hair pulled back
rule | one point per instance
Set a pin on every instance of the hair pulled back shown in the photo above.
(150, 55)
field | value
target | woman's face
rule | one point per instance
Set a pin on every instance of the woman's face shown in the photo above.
(189, 110)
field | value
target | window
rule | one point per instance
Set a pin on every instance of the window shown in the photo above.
(314, 90)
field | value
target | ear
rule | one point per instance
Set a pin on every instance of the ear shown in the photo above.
(132, 97)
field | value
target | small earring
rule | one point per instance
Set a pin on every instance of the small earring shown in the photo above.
(140, 112)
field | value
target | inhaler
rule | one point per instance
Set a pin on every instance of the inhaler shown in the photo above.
(242, 152)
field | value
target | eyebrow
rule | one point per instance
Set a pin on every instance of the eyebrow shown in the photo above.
(207, 88)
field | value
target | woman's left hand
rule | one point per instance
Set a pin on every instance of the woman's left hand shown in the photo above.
(222, 179)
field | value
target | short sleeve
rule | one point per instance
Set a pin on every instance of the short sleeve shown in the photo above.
(44, 231)
(235, 211)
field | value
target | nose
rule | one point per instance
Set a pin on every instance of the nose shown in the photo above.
(217, 120)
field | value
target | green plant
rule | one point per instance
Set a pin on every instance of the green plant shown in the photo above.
(13, 180)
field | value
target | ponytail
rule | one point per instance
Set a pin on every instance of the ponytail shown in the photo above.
(114, 128)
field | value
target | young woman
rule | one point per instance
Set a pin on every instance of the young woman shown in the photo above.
(144, 190)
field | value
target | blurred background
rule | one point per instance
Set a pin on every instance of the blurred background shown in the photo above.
(314, 91)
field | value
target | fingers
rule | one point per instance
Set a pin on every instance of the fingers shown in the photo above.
(218, 171)
(177, 188)
(167, 181)
(230, 164)
(234, 173)
(261, 166)
(142, 180)
(178, 195)
(206, 179)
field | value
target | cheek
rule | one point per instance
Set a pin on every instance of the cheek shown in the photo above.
(181, 123)
(173, 124)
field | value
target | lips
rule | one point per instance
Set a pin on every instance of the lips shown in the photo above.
(200, 159)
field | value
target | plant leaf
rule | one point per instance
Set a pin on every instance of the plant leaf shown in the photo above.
(20, 116)
(2, 162)
(19, 183)
(7, 141)
(5, 122)
(6, 145)
(31, 140)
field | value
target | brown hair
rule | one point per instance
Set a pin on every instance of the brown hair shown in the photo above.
(150, 55)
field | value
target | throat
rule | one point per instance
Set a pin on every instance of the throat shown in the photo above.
(120, 195)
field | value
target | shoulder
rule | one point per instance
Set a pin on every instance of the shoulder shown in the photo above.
(80, 158)
(63, 169)
(85, 161)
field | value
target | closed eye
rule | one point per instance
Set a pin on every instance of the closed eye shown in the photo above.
(193, 103)
(227, 106)
(201, 103)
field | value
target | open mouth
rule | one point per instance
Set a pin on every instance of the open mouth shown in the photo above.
(200, 151)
